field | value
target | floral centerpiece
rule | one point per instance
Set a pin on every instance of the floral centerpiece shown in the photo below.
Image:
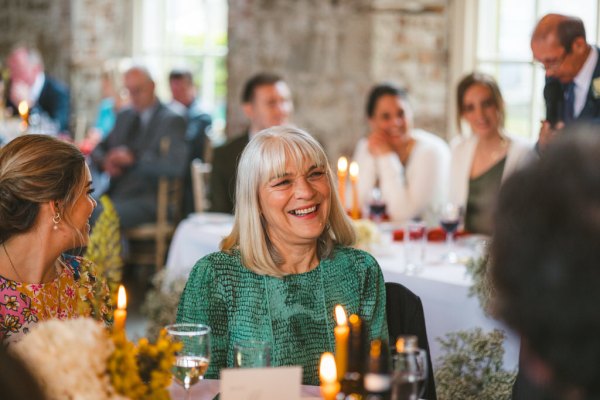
(367, 234)
(79, 358)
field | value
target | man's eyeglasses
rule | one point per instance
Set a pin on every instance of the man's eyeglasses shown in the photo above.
(551, 64)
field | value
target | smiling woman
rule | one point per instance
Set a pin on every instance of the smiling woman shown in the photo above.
(286, 263)
(45, 206)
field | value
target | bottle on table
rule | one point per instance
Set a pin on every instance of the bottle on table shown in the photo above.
(352, 384)
(378, 382)
(408, 369)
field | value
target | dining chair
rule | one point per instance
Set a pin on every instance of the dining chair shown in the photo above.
(159, 233)
(200, 173)
(405, 316)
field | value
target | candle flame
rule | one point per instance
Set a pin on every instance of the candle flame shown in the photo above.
(23, 108)
(353, 169)
(121, 298)
(340, 315)
(342, 164)
(327, 369)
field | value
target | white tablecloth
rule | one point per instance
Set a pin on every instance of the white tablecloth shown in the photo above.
(442, 287)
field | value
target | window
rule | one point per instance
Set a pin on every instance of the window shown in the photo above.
(502, 30)
(190, 33)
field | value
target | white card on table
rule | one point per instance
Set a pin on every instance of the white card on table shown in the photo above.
(261, 383)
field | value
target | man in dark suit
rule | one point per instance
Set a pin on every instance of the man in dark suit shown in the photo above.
(573, 66)
(187, 105)
(267, 102)
(132, 156)
(43, 94)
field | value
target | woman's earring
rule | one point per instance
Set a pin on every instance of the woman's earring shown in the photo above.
(56, 220)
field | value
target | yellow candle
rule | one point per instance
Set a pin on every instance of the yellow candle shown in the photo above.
(121, 311)
(341, 173)
(23, 109)
(341, 332)
(327, 372)
(355, 210)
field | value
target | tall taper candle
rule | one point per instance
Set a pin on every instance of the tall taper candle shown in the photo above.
(341, 332)
(329, 385)
(355, 210)
(121, 311)
(342, 171)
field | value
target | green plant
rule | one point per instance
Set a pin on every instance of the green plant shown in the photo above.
(160, 305)
(482, 284)
(471, 368)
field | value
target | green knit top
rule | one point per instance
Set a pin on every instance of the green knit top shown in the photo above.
(295, 314)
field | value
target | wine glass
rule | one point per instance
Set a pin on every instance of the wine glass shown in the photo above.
(251, 354)
(191, 361)
(409, 372)
(449, 220)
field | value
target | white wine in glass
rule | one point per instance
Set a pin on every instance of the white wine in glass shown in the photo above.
(193, 359)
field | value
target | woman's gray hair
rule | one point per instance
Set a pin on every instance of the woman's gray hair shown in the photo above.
(264, 157)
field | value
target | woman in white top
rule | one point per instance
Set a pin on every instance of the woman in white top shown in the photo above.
(409, 165)
(483, 160)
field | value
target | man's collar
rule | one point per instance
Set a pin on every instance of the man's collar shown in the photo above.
(584, 76)
(36, 88)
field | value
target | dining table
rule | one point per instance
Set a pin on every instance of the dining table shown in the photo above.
(443, 286)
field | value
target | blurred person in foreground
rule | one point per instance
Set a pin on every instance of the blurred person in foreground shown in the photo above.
(409, 165)
(186, 103)
(481, 161)
(132, 156)
(286, 263)
(43, 94)
(45, 206)
(545, 257)
(572, 73)
(267, 102)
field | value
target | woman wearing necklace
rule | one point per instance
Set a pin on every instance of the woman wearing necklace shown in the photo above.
(45, 205)
(286, 263)
(482, 161)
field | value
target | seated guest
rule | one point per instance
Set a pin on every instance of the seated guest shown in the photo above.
(266, 102)
(544, 268)
(187, 105)
(28, 82)
(45, 205)
(131, 154)
(482, 161)
(408, 165)
(286, 263)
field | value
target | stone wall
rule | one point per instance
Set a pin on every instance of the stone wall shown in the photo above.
(75, 37)
(332, 51)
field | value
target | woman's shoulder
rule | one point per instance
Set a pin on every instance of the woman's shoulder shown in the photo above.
(430, 142)
(350, 257)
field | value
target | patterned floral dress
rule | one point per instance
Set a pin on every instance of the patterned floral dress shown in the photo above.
(70, 295)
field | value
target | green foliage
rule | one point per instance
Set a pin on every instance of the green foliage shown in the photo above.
(482, 284)
(471, 368)
(160, 305)
(104, 247)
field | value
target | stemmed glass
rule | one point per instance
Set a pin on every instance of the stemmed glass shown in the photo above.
(192, 360)
(409, 374)
(449, 220)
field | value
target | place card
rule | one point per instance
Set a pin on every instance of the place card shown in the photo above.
(261, 383)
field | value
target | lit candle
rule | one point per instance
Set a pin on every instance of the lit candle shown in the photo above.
(329, 385)
(121, 311)
(341, 332)
(355, 211)
(23, 112)
(341, 173)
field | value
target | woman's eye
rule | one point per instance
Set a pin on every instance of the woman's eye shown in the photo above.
(316, 174)
(281, 183)
(90, 191)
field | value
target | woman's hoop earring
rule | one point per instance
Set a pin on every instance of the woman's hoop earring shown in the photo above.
(56, 220)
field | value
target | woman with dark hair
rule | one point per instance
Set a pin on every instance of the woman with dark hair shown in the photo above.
(408, 165)
(286, 263)
(483, 160)
(45, 205)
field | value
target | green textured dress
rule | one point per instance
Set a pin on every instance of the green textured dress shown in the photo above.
(295, 314)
